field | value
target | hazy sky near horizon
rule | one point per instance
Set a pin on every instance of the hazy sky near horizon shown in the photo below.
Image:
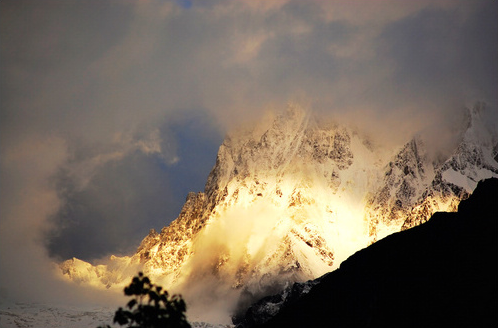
(111, 111)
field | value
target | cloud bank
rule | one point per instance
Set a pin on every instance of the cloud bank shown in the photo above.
(113, 110)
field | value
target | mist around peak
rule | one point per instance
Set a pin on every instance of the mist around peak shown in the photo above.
(290, 199)
(107, 124)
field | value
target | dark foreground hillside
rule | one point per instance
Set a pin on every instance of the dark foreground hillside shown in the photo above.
(440, 274)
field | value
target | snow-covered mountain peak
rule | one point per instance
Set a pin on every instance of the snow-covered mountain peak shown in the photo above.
(292, 152)
(474, 158)
(415, 185)
(289, 199)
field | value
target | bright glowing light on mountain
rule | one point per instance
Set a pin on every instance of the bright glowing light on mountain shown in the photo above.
(289, 201)
(265, 231)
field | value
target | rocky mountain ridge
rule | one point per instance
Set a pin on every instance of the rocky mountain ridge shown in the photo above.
(288, 200)
(415, 187)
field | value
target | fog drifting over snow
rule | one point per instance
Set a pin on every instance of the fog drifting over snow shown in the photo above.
(112, 111)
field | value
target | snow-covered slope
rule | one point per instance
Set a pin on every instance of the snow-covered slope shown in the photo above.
(406, 177)
(288, 200)
(475, 159)
(36, 315)
(17, 315)
(416, 186)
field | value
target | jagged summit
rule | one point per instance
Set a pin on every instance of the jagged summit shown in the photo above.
(288, 200)
(415, 186)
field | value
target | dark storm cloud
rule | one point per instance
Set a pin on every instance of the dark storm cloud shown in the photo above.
(126, 198)
(120, 204)
(444, 54)
(113, 110)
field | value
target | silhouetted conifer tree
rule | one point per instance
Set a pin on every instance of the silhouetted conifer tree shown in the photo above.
(151, 307)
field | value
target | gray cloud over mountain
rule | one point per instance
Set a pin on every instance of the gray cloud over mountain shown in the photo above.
(111, 111)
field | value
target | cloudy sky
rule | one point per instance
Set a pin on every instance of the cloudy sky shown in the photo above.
(112, 110)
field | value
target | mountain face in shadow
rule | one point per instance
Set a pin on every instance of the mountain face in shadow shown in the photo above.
(440, 274)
